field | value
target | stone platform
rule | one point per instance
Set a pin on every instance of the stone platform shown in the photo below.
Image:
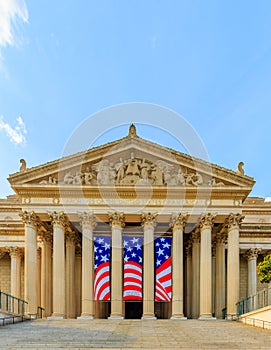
(133, 334)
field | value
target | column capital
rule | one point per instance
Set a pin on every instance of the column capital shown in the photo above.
(30, 218)
(46, 237)
(221, 237)
(59, 218)
(178, 221)
(71, 238)
(188, 249)
(207, 220)
(233, 221)
(15, 252)
(195, 236)
(148, 219)
(116, 219)
(87, 219)
(2, 253)
(252, 253)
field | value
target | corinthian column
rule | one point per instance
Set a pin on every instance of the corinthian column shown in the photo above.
(70, 274)
(88, 223)
(220, 273)
(46, 273)
(148, 223)
(177, 223)
(206, 224)
(232, 223)
(252, 255)
(188, 298)
(15, 285)
(59, 222)
(31, 221)
(195, 271)
(117, 222)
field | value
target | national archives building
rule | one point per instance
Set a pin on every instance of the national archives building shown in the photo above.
(131, 229)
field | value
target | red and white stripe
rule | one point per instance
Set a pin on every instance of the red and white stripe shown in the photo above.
(102, 282)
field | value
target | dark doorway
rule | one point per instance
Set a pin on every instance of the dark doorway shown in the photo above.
(133, 309)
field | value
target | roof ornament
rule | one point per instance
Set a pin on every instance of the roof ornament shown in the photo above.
(23, 166)
(240, 169)
(132, 131)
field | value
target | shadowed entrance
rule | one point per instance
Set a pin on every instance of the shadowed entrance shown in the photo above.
(133, 309)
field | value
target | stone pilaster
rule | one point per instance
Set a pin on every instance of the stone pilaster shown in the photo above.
(252, 255)
(220, 279)
(196, 272)
(71, 238)
(206, 224)
(88, 223)
(148, 222)
(31, 222)
(177, 223)
(117, 222)
(60, 223)
(78, 281)
(232, 224)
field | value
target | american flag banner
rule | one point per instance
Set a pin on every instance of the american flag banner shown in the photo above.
(132, 255)
(102, 268)
(163, 280)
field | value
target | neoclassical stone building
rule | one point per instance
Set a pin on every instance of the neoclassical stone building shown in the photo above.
(132, 229)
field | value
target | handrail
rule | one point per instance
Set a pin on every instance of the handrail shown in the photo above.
(255, 322)
(19, 318)
(11, 304)
(254, 302)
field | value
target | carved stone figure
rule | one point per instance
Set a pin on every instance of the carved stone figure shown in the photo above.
(23, 166)
(106, 173)
(68, 178)
(132, 167)
(180, 180)
(240, 169)
(120, 167)
(78, 178)
(212, 182)
(157, 175)
(194, 179)
(87, 175)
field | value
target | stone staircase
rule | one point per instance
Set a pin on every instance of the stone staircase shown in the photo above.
(136, 334)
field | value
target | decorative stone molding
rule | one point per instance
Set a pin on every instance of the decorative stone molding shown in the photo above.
(207, 220)
(178, 220)
(233, 221)
(59, 219)
(148, 219)
(30, 219)
(87, 220)
(117, 219)
(252, 253)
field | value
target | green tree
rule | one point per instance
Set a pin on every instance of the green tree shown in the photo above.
(264, 270)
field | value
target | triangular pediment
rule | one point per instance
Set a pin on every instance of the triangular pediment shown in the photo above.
(127, 162)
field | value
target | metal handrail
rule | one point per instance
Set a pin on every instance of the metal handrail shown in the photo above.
(11, 304)
(254, 302)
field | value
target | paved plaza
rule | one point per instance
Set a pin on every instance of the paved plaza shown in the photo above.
(135, 334)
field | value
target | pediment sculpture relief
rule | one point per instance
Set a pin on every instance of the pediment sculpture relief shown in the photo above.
(131, 171)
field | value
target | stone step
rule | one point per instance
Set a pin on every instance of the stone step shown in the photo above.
(127, 334)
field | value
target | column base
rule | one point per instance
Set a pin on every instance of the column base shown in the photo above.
(52, 318)
(115, 318)
(206, 318)
(148, 318)
(178, 318)
(85, 317)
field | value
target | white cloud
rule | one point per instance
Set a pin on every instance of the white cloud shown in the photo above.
(17, 134)
(11, 12)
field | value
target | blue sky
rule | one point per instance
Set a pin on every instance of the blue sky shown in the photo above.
(209, 61)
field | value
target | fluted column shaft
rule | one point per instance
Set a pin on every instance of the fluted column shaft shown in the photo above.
(252, 255)
(189, 281)
(31, 222)
(70, 275)
(148, 223)
(220, 275)
(233, 264)
(15, 285)
(88, 223)
(59, 222)
(178, 223)
(196, 272)
(117, 222)
(46, 274)
(206, 224)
